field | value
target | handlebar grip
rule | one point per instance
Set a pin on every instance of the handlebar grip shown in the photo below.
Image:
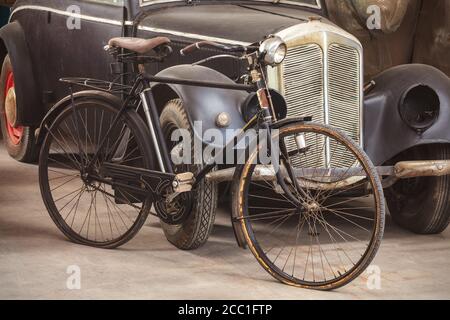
(189, 49)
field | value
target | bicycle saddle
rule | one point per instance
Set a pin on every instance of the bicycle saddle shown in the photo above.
(138, 45)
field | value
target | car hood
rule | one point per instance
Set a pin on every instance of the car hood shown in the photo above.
(247, 24)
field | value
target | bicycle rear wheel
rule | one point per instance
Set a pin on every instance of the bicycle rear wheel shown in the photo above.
(329, 235)
(87, 211)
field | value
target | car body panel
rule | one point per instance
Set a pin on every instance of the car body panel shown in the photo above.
(59, 56)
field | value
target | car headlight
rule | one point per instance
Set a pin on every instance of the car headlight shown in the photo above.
(273, 50)
(420, 107)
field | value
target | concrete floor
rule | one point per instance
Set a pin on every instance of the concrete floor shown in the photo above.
(34, 257)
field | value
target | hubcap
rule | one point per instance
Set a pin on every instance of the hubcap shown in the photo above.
(10, 106)
(15, 133)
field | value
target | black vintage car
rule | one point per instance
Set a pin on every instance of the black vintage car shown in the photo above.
(401, 115)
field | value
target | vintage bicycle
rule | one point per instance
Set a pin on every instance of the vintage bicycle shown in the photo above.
(313, 216)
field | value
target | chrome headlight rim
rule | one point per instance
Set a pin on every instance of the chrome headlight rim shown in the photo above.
(273, 51)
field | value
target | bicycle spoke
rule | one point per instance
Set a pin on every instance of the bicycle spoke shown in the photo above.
(90, 211)
(270, 215)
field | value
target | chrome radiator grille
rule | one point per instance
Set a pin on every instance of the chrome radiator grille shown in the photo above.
(331, 97)
(344, 92)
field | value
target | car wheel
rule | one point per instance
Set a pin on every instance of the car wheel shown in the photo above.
(19, 141)
(422, 205)
(194, 231)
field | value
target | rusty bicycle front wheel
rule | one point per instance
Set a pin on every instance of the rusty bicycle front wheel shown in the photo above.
(331, 234)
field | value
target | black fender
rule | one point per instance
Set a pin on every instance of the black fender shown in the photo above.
(30, 107)
(385, 133)
(289, 121)
(53, 113)
(203, 104)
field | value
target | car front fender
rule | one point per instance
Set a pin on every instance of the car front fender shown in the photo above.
(203, 105)
(386, 134)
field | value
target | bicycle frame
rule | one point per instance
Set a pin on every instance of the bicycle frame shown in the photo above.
(151, 113)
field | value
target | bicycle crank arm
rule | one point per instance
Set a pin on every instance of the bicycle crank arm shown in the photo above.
(182, 183)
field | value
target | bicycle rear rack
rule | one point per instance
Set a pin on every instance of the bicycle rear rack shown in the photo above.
(101, 85)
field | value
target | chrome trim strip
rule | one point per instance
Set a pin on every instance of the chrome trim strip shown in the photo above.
(326, 93)
(127, 23)
(67, 14)
(142, 3)
(361, 102)
(193, 36)
(317, 6)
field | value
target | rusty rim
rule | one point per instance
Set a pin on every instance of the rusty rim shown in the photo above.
(15, 133)
(329, 269)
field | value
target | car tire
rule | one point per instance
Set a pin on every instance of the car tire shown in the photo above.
(195, 230)
(422, 205)
(19, 141)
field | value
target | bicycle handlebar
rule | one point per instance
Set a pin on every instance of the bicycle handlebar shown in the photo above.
(202, 44)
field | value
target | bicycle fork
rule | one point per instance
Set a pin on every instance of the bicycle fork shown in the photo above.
(266, 105)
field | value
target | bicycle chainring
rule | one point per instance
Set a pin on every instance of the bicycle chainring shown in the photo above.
(175, 212)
